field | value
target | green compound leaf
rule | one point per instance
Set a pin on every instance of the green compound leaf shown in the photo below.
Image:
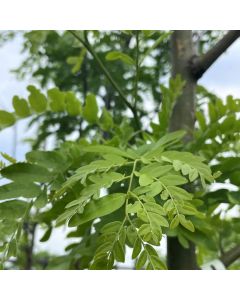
(189, 164)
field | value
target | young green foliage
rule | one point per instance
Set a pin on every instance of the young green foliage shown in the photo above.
(117, 186)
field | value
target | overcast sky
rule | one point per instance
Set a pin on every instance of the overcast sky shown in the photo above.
(223, 78)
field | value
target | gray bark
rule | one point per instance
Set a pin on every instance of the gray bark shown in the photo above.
(183, 117)
(191, 67)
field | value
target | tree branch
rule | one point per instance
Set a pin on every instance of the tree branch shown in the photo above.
(107, 74)
(230, 256)
(200, 64)
(30, 231)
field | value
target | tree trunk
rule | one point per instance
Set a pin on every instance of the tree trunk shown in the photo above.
(30, 232)
(183, 117)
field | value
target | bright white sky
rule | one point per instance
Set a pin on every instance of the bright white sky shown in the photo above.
(223, 78)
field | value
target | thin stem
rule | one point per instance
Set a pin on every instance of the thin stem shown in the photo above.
(116, 238)
(129, 190)
(127, 216)
(131, 176)
(139, 237)
(30, 232)
(135, 91)
(87, 45)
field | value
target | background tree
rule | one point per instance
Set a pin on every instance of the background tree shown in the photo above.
(133, 68)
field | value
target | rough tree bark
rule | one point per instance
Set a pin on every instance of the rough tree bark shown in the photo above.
(191, 67)
(182, 50)
(30, 230)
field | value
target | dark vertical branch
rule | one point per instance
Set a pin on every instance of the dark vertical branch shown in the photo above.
(30, 232)
(191, 67)
(135, 87)
(179, 258)
(183, 117)
(85, 77)
(107, 100)
(84, 87)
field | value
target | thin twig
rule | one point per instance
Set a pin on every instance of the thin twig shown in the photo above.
(230, 256)
(87, 45)
(135, 91)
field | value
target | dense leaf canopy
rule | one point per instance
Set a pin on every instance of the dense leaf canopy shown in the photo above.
(124, 181)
